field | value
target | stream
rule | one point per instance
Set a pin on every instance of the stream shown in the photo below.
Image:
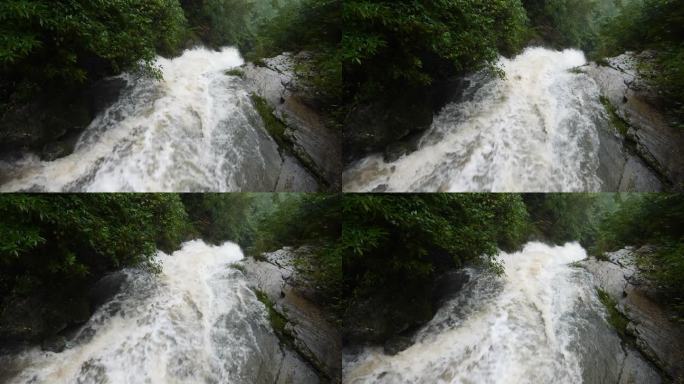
(194, 130)
(540, 322)
(195, 322)
(536, 129)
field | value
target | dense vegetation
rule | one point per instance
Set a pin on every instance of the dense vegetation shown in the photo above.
(58, 44)
(314, 27)
(54, 247)
(69, 42)
(389, 45)
(656, 25)
(654, 219)
(306, 219)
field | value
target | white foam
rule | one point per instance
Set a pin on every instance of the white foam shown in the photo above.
(192, 322)
(513, 329)
(195, 130)
(532, 131)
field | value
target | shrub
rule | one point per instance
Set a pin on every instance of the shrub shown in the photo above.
(58, 243)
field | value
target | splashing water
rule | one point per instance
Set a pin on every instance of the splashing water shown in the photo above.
(540, 323)
(534, 130)
(195, 130)
(195, 322)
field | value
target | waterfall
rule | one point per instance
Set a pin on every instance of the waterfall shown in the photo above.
(195, 322)
(541, 322)
(194, 130)
(533, 130)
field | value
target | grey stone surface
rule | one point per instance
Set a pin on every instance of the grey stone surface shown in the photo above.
(656, 335)
(314, 336)
(657, 143)
(312, 141)
(294, 177)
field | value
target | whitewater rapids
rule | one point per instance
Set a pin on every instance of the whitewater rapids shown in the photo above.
(195, 322)
(535, 130)
(541, 322)
(194, 130)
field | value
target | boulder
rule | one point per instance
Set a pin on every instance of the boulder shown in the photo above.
(106, 288)
(315, 338)
(656, 336)
(312, 141)
(55, 344)
(397, 344)
(654, 141)
(294, 177)
(50, 123)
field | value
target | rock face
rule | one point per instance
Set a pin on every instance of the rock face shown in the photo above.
(394, 125)
(51, 123)
(313, 143)
(656, 336)
(315, 339)
(656, 145)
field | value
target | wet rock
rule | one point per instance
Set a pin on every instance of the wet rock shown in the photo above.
(315, 339)
(656, 336)
(106, 288)
(48, 123)
(55, 344)
(372, 127)
(636, 176)
(314, 144)
(635, 370)
(658, 144)
(293, 371)
(401, 148)
(397, 344)
(294, 177)
(448, 285)
(35, 318)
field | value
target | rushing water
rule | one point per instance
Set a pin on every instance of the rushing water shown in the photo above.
(534, 130)
(539, 323)
(195, 322)
(195, 130)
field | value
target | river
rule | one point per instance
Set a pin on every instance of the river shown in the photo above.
(541, 322)
(194, 322)
(533, 130)
(194, 130)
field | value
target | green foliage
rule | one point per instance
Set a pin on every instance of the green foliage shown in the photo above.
(228, 22)
(561, 218)
(273, 125)
(74, 41)
(569, 23)
(651, 219)
(615, 317)
(313, 26)
(307, 219)
(652, 25)
(220, 217)
(619, 124)
(278, 320)
(398, 243)
(388, 45)
(58, 243)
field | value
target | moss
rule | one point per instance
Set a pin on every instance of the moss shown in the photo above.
(615, 317)
(615, 119)
(259, 62)
(235, 72)
(576, 70)
(238, 266)
(278, 320)
(273, 125)
(602, 62)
